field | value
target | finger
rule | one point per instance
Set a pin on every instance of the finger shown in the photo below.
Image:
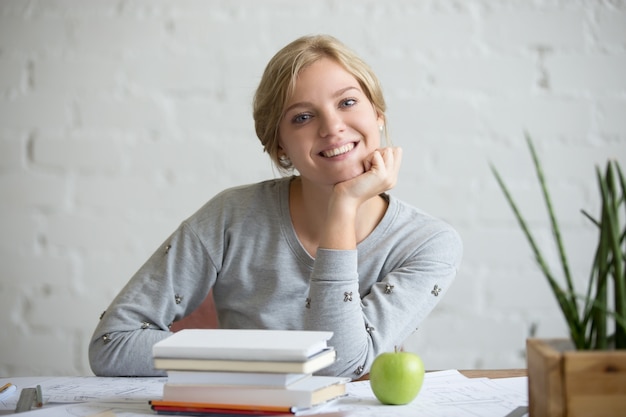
(388, 157)
(376, 161)
(397, 158)
(391, 157)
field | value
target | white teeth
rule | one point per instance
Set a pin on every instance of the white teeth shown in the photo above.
(338, 151)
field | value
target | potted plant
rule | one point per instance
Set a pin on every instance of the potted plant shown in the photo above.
(584, 375)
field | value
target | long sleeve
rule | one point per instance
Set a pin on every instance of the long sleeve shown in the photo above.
(369, 320)
(171, 284)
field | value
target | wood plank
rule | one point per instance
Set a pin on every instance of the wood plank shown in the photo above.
(544, 369)
(493, 373)
(595, 383)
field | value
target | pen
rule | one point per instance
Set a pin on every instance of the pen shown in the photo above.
(7, 390)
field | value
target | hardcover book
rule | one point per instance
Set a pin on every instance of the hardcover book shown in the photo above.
(277, 380)
(190, 410)
(311, 365)
(303, 394)
(242, 344)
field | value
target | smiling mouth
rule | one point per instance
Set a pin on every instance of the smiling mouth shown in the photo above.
(338, 151)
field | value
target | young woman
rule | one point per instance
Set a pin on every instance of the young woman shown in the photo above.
(325, 248)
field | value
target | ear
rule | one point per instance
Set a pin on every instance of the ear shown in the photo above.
(380, 116)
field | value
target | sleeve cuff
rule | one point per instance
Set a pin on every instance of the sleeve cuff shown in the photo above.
(335, 265)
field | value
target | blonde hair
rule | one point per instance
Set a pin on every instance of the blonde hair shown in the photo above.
(279, 79)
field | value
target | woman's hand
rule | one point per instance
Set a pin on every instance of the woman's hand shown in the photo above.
(381, 174)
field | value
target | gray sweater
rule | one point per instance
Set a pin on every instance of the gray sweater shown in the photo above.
(242, 245)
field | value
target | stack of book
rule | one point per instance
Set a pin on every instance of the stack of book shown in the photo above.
(221, 372)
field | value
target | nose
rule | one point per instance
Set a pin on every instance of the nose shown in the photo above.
(331, 123)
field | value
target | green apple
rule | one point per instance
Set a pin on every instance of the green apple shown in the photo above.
(396, 377)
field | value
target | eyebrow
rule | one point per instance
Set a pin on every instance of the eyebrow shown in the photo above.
(337, 93)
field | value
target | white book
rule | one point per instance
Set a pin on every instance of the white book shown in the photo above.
(306, 393)
(242, 344)
(316, 362)
(277, 380)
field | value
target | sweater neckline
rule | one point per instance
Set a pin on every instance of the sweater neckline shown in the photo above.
(296, 246)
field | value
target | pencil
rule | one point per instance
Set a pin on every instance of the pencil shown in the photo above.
(7, 390)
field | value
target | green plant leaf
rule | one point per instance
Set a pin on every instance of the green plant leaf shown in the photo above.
(566, 302)
(589, 317)
(553, 222)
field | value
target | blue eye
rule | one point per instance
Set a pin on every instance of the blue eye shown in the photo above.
(349, 102)
(301, 118)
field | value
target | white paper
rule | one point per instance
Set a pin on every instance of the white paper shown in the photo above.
(87, 388)
(91, 409)
(443, 394)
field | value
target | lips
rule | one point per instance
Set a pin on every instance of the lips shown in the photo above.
(330, 153)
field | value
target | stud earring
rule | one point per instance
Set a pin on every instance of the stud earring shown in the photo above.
(284, 161)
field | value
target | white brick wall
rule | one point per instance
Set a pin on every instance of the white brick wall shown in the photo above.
(120, 118)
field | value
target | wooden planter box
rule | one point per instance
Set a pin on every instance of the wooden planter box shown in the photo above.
(564, 382)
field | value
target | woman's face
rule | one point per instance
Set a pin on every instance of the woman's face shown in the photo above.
(329, 126)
